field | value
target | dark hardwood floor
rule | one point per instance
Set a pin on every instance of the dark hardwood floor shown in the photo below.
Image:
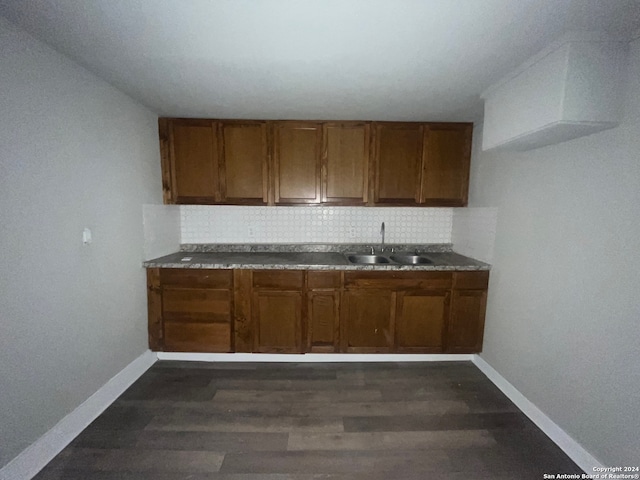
(214, 421)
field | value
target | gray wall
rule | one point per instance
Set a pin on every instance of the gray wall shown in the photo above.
(563, 318)
(74, 152)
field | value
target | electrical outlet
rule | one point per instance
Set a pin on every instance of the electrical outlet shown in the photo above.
(87, 237)
(352, 232)
(251, 231)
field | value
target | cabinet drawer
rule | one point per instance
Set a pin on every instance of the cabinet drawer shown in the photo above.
(318, 280)
(196, 278)
(398, 280)
(196, 305)
(197, 337)
(471, 280)
(292, 280)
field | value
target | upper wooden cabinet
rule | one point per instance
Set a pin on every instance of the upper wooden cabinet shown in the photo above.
(192, 149)
(422, 164)
(398, 162)
(296, 162)
(445, 171)
(345, 163)
(245, 162)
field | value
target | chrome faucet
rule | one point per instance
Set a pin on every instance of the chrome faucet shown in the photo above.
(382, 233)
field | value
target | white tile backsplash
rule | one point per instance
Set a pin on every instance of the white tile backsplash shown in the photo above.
(474, 231)
(236, 224)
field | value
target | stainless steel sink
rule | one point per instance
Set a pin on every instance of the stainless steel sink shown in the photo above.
(410, 259)
(367, 259)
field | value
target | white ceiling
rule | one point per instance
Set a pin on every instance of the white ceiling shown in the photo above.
(332, 59)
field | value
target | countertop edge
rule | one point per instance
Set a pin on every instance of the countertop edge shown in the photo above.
(440, 261)
(249, 266)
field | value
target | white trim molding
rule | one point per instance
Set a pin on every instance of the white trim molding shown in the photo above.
(568, 444)
(313, 357)
(34, 458)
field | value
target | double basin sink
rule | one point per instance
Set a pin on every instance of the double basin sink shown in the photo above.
(394, 258)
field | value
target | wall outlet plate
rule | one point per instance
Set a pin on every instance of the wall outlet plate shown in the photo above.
(86, 236)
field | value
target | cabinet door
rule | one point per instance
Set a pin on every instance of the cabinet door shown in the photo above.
(297, 148)
(277, 321)
(154, 309)
(420, 321)
(243, 164)
(367, 321)
(345, 163)
(322, 329)
(445, 176)
(193, 154)
(398, 163)
(466, 326)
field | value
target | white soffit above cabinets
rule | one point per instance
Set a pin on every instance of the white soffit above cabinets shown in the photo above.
(570, 89)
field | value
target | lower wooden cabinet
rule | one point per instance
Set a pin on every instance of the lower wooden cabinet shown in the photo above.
(323, 328)
(367, 321)
(323, 290)
(468, 304)
(197, 337)
(277, 321)
(421, 319)
(190, 310)
(275, 311)
(466, 327)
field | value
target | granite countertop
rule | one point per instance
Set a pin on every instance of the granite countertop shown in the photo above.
(306, 257)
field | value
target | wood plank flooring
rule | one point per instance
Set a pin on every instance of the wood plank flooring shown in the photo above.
(217, 421)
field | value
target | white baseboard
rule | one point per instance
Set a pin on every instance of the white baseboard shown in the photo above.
(33, 458)
(573, 449)
(313, 357)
